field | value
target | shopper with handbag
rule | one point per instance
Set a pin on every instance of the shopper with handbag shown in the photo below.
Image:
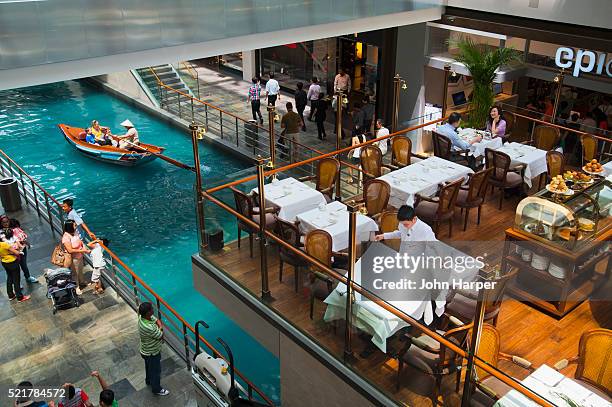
(74, 248)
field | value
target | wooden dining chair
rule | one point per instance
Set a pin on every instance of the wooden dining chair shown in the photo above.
(589, 148)
(401, 151)
(555, 165)
(290, 233)
(473, 194)
(432, 358)
(487, 387)
(370, 158)
(440, 208)
(546, 137)
(387, 222)
(594, 366)
(245, 207)
(503, 177)
(376, 194)
(318, 244)
(443, 148)
(328, 171)
(462, 304)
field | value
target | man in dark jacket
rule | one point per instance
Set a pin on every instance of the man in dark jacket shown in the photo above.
(320, 116)
(300, 102)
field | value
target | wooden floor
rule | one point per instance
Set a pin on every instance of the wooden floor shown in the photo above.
(525, 331)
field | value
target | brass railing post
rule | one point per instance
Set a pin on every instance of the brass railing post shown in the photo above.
(263, 243)
(198, 186)
(271, 114)
(447, 70)
(475, 341)
(352, 257)
(339, 102)
(559, 81)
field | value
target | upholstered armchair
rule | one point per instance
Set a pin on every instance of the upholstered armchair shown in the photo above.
(245, 207)
(503, 177)
(440, 208)
(473, 194)
(328, 171)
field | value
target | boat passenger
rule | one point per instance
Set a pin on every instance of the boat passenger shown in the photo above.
(90, 138)
(96, 131)
(130, 138)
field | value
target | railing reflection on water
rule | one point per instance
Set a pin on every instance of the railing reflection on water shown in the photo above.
(178, 334)
(289, 306)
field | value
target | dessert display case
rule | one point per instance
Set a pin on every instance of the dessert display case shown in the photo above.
(560, 245)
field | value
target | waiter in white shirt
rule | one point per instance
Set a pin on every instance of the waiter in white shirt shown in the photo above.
(410, 228)
(272, 90)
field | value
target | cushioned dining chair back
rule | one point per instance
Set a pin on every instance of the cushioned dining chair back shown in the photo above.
(459, 337)
(488, 349)
(595, 359)
(442, 145)
(388, 223)
(448, 196)
(555, 163)
(478, 184)
(500, 162)
(546, 138)
(589, 148)
(318, 244)
(290, 233)
(376, 195)
(327, 172)
(371, 160)
(244, 205)
(401, 151)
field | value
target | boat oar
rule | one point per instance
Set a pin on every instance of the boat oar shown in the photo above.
(163, 157)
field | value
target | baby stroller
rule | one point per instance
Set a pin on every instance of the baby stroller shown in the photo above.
(61, 288)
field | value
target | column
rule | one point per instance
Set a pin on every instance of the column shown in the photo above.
(249, 68)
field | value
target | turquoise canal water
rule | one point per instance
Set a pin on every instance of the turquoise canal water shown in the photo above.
(147, 212)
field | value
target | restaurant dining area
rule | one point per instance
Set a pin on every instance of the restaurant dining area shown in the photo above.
(527, 324)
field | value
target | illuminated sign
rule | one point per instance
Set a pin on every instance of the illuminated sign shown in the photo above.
(583, 61)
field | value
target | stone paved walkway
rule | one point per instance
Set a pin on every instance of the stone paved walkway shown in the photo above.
(229, 92)
(101, 334)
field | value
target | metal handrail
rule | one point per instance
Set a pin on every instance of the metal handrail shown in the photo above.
(55, 220)
(388, 307)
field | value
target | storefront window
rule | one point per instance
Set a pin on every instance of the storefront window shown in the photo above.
(232, 61)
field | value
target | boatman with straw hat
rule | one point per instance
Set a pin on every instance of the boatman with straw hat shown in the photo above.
(130, 137)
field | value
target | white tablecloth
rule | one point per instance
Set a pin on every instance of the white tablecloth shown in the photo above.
(335, 221)
(423, 178)
(548, 383)
(478, 149)
(292, 197)
(372, 318)
(525, 154)
(608, 168)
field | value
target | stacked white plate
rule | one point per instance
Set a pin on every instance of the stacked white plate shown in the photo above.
(557, 271)
(539, 262)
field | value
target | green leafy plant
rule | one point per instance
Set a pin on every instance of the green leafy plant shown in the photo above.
(482, 61)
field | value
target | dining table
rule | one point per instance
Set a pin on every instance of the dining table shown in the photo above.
(381, 324)
(423, 178)
(292, 197)
(478, 149)
(533, 158)
(334, 219)
(554, 387)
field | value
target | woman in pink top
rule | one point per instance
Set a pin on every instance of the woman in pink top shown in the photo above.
(74, 245)
(496, 123)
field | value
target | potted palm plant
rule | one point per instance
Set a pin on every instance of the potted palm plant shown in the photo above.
(482, 61)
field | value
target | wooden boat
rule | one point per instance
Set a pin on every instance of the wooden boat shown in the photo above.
(75, 136)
